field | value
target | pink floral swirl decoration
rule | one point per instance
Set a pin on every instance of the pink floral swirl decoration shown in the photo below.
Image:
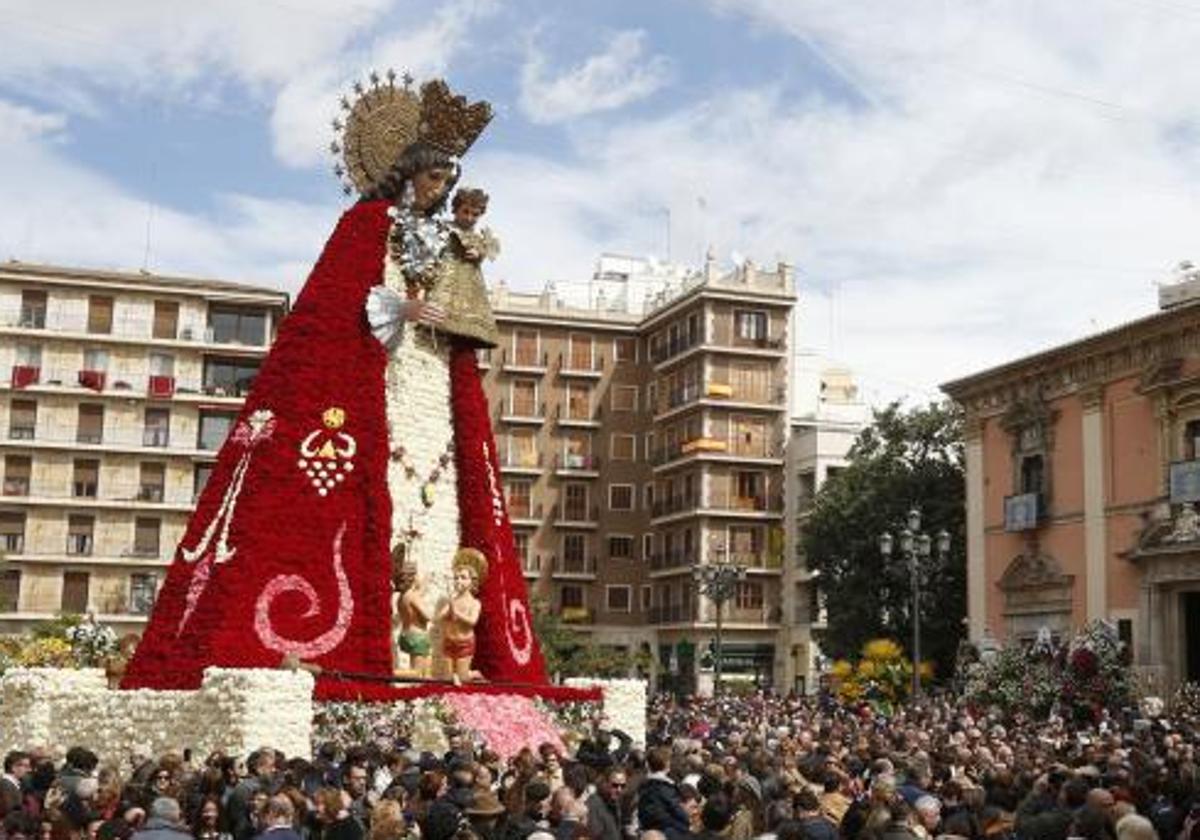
(280, 584)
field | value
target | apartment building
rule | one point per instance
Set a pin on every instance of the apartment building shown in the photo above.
(119, 390)
(827, 417)
(636, 446)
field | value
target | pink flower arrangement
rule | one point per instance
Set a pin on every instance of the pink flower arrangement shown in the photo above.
(506, 722)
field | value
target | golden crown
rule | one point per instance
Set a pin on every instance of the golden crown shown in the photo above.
(385, 118)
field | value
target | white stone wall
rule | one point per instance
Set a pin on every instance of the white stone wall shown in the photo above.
(624, 705)
(236, 710)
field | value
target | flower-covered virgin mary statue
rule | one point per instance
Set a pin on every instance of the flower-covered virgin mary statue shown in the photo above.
(365, 441)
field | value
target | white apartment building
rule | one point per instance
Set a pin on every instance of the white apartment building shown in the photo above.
(116, 390)
(828, 416)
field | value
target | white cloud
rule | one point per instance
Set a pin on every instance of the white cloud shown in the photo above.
(610, 79)
(19, 123)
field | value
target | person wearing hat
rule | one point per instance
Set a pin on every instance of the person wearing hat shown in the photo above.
(485, 812)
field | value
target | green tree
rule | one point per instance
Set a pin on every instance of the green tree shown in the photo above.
(904, 459)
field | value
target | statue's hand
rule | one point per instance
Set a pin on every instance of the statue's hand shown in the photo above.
(423, 312)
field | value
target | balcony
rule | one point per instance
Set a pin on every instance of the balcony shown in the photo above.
(673, 614)
(150, 493)
(755, 560)
(581, 368)
(675, 504)
(156, 437)
(577, 417)
(525, 362)
(130, 441)
(716, 448)
(1185, 481)
(575, 516)
(575, 465)
(32, 318)
(662, 351)
(1023, 512)
(521, 463)
(525, 513)
(79, 545)
(675, 559)
(16, 486)
(83, 490)
(90, 436)
(575, 615)
(574, 566)
(22, 432)
(25, 375)
(12, 543)
(522, 412)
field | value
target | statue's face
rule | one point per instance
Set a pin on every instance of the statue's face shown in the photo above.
(429, 185)
(463, 580)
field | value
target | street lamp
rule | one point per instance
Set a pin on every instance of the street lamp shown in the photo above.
(916, 547)
(719, 581)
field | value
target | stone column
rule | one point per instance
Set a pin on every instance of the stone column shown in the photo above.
(1095, 548)
(976, 543)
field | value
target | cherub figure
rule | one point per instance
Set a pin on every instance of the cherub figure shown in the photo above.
(412, 612)
(469, 205)
(459, 615)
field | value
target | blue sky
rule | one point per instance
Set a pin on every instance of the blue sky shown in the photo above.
(965, 182)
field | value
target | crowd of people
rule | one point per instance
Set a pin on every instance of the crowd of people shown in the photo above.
(760, 766)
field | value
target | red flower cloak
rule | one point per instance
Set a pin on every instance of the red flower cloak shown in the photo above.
(288, 551)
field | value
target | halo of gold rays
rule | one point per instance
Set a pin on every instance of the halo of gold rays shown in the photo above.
(377, 124)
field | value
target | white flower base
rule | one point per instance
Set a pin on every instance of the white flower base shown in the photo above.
(236, 710)
(624, 705)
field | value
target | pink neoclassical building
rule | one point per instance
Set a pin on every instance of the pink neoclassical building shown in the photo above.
(1083, 474)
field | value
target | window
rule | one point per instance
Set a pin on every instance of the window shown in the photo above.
(200, 477)
(525, 398)
(651, 396)
(749, 595)
(750, 383)
(648, 496)
(575, 502)
(229, 377)
(574, 551)
(162, 364)
(618, 598)
(10, 591)
(806, 487)
(750, 325)
(624, 349)
(29, 355)
(80, 530)
(95, 358)
(624, 398)
(647, 546)
(100, 315)
(577, 451)
(748, 490)
(1032, 474)
(647, 593)
(520, 501)
(525, 348)
(17, 470)
(90, 428)
(152, 479)
(745, 545)
(522, 449)
(143, 587)
(214, 428)
(75, 592)
(580, 348)
(166, 319)
(85, 479)
(157, 430)
(237, 326)
(620, 497)
(623, 447)
(1191, 440)
(578, 399)
(12, 532)
(693, 329)
(146, 532)
(33, 309)
(521, 548)
(572, 597)
(620, 547)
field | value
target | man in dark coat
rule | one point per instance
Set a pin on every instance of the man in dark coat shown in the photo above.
(17, 765)
(659, 806)
(279, 819)
(605, 818)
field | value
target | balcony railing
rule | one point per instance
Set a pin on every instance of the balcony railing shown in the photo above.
(12, 543)
(522, 410)
(663, 350)
(576, 461)
(156, 437)
(575, 565)
(760, 503)
(524, 510)
(579, 366)
(16, 486)
(675, 504)
(32, 318)
(672, 614)
(22, 432)
(674, 559)
(575, 514)
(83, 489)
(575, 615)
(752, 559)
(525, 360)
(521, 460)
(577, 414)
(91, 436)
(79, 545)
(154, 386)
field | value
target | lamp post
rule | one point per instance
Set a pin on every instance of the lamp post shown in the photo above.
(719, 582)
(916, 547)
